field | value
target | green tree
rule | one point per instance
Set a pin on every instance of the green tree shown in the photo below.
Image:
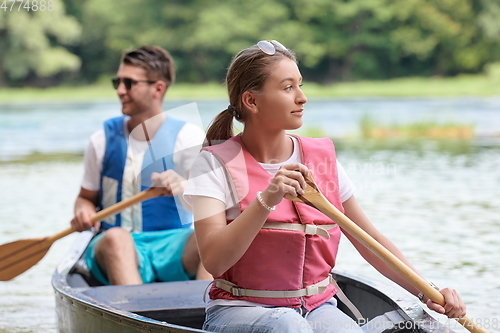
(334, 39)
(388, 38)
(488, 20)
(34, 42)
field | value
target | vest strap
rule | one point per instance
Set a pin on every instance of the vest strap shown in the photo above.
(308, 229)
(347, 302)
(315, 289)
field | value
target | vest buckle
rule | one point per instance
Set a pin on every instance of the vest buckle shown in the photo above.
(313, 290)
(236, 292)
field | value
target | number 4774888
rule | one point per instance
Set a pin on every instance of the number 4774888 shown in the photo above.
(27, 5)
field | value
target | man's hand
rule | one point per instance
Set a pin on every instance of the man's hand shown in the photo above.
(85, 209)
(82, 220)
(171, 182)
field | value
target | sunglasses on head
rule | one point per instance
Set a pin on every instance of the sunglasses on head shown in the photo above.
(128, 82)
(269, 46)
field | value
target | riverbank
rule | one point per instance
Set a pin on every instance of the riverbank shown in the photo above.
(463, 85)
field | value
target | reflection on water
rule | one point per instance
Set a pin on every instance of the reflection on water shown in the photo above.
(440, 209)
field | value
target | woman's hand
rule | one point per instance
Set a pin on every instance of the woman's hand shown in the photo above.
(454, 307)
(289, 179)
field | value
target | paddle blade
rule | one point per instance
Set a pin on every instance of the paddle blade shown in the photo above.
(19, 256)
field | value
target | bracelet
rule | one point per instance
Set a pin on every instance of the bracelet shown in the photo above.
(270, 209)
(421, 295)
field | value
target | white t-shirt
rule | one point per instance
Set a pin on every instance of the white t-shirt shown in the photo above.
(211, 182)
(187, 146)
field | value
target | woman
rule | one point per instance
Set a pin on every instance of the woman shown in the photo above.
(272, 257)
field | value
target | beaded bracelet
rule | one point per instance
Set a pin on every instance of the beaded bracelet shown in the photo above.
(271, 209)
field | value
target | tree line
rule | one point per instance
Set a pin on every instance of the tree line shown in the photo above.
(78, 42)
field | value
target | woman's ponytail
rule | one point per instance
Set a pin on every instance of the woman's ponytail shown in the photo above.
(221, 127)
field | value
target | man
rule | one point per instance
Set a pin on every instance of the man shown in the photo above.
(153, 240)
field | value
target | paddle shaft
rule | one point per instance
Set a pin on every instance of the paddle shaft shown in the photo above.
(390, 259)
(19, 256)
(144, 195)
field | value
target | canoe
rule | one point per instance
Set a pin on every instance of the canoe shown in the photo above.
(83, 306)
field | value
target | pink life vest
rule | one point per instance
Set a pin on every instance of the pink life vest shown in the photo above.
(279, 260)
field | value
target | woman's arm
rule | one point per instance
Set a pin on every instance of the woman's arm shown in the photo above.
(454, 307)
(220, 244)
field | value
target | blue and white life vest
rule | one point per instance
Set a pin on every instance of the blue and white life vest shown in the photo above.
(158, 213)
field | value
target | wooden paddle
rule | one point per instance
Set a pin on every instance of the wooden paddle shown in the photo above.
(19, 256)
(314, 198)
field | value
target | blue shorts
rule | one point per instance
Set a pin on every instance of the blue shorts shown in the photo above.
(159, 254)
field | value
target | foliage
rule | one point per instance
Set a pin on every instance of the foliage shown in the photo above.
(419, 145)
(470, 85)
(32, 42)
(37, 157)
(493, 71)
(431, 129)
(335, 40)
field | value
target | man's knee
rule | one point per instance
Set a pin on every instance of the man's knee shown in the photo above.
(191, 247)
(190, 255)
(114, 239)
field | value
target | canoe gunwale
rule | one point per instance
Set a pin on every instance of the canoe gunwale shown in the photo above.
(86, 305)
(71, 300)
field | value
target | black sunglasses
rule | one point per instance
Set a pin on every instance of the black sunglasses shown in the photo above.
(128, 82)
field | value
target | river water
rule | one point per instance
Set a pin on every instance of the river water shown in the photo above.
(437, 205)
